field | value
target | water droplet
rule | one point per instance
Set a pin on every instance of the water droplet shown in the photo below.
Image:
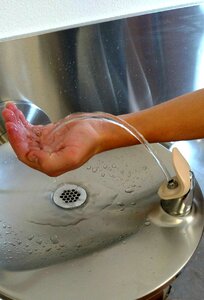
(39, 242)
(54, 239)
(48, 249)
(147, 222)
(129, 190)
(113, 165)
(102, 174)
(105, 166)
(120, 204)
(30, 251)
(30, 237)
(4, 225)
(11, 243)
(94, 170)
(113, 176)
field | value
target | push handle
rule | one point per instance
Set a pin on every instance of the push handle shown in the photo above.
(182, 178)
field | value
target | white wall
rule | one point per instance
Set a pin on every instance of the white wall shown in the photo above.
(19, 18)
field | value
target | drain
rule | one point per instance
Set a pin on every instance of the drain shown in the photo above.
(69, 196)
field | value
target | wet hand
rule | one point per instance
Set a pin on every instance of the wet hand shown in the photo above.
(54, 148)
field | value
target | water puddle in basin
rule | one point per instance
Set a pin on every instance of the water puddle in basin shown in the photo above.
(121, 186)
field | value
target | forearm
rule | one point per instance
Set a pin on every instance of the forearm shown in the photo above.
(181, 118)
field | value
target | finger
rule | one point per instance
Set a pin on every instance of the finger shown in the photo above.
(17, 140)
(9, 115)
(11, 106)
(18, 113)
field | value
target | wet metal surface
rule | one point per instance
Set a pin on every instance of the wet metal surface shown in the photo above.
(118, 201)
(120, 239)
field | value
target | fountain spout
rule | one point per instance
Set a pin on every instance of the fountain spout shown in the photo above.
(177, 199)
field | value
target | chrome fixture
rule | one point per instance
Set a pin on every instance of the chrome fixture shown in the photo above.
(177, 195)
(181, 206)
(69, 196)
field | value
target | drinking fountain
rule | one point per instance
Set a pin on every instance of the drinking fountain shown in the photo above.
(115, 228)
(105, 218)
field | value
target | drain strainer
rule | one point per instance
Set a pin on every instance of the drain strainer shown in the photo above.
(69, 196)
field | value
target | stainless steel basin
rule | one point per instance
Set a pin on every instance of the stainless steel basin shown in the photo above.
(118, 245)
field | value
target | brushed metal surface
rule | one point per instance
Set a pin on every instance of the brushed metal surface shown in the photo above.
(120, 245)
(117, 67)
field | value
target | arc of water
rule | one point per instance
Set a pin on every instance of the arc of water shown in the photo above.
(124, 125)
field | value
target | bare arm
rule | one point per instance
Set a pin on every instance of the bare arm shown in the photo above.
(181, 118)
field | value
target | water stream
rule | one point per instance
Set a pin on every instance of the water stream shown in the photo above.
(124, 125)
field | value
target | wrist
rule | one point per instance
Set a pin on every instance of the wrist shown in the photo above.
(113, 135)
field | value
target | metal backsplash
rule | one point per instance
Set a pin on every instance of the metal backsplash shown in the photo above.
(117, 67)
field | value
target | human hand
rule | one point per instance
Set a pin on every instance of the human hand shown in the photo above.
(52, 149)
